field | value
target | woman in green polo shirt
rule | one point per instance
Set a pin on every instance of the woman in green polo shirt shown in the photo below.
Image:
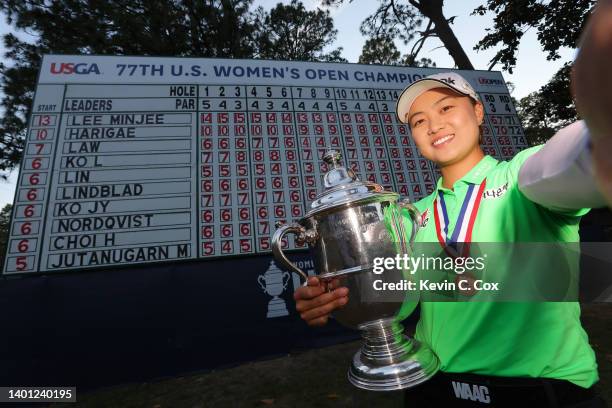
(531, 353)
(489, 340)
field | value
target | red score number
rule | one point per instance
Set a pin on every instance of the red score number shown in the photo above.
(26, 228)
(245, 245)
(41, 134)
(23, 245)
(32, 194)
(208, 248)
(28, 211)
(34, 178)
(44, 120)
(36, 163)
(21, 263)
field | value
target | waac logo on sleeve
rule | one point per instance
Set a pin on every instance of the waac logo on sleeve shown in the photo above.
(68, 68)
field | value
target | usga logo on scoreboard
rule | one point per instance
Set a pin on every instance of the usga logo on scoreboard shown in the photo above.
(68, 68)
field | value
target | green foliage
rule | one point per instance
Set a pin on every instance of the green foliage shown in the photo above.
(403, 19)
(290, 32)
(549, 109)
(382, 50)
(558, 24)
(393, 20)
(409, 61)
(219, 28)
(5, 219)
(213, 28)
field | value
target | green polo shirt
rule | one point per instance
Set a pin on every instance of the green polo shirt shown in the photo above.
(511, 339)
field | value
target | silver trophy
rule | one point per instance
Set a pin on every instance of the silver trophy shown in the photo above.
(346, 230)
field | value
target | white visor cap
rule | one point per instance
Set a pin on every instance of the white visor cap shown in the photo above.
(449, 80)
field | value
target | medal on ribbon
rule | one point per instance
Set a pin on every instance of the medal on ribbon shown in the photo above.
(458, 243)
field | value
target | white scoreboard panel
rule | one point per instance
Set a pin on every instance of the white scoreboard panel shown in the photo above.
(146, 159)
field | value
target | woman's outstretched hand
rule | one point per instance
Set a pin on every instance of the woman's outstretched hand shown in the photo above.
(592, 88)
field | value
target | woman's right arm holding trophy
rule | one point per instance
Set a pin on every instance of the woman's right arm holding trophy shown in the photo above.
(316, 301)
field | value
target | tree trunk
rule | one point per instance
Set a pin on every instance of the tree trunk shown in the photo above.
(432, 9)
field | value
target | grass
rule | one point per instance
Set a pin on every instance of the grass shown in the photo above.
(315, 378)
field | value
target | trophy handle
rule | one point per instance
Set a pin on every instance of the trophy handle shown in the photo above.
(277, 242)
(260, 278)
(414, 214)
(288, 275)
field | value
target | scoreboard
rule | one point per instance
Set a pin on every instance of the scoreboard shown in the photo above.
(149, 159)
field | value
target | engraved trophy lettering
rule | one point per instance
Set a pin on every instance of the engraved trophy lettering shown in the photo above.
(346, 228)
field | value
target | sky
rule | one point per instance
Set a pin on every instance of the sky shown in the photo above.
(531, 72)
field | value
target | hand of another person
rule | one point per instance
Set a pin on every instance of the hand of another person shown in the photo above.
(314, 302)
(592, 88)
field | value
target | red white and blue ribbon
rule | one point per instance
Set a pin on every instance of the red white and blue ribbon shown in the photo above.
(458, 244)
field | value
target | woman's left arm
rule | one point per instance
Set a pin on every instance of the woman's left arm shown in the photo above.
(592, 86)
(560, 176)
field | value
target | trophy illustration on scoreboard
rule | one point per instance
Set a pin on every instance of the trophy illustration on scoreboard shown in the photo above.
(273, 283)
(351, 223)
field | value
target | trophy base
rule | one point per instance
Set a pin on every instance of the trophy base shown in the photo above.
(389, 360)
(277, 308)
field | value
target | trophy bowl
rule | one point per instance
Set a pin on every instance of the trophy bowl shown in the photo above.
(350, 224)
